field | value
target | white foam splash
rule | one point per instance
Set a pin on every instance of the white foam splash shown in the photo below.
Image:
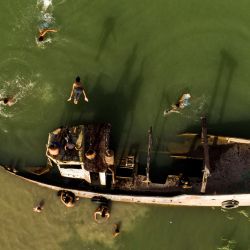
(46, 20)
(5, 113)
(18, 88)
(24, 90)
(45, 4)
(43, 43)
(229, 244)
(45, 93)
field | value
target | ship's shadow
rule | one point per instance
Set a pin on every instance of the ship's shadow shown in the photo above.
(115, 106)
(230, 129)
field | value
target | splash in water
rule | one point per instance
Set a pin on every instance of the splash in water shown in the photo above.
(48, 19)
(46, 22)
(43, 44)
(18, 88)
(45, 93)
(44, 4)
(196, 109)
(228, 245)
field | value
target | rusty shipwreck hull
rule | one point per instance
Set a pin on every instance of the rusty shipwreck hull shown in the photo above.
(202, 200)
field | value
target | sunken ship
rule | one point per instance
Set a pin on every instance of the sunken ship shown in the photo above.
(80, 161)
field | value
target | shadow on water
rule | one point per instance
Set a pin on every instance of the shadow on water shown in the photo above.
(128, 88)
(130, 102)
(70, 115)
(217, 108)
(159, 126)
(220, 94)
(108, 31)
(116, 107)
(160, 142)
(233, 129)
(222, 85)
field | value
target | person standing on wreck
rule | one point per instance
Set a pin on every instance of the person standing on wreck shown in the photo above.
(77, 90)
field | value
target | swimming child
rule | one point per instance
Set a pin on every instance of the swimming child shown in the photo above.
(43, 32)
(8, 101)
(116, 230)
(39, 207)
(47, 21)
(77, 90)
(183, 102)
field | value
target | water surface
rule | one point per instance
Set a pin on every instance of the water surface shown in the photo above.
(135, 59)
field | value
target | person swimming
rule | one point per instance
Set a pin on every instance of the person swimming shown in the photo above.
(77, 90)
(8, 101)
(39, 207)
(47, 21)
(183, 102)
(116, 230)
(43, 32)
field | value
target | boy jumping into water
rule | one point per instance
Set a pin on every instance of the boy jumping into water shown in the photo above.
(181, 104)
(77, 90)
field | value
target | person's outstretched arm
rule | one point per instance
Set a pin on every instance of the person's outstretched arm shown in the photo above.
(44, 32)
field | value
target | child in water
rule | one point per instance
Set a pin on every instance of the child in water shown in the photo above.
(116, 230)
(43, 32)
(39, 207)
(8, 101)
(77, 90)
(181, 104)
(46, 21)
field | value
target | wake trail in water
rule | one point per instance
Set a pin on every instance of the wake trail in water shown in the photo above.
(196, 109)
(44, 4)
(46, 20)
(18, 88)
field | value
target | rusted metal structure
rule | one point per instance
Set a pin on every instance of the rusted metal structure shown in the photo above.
(80, 161)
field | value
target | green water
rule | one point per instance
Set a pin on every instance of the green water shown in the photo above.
(135, 58)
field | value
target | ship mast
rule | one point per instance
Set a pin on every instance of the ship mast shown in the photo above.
(206, 170)
(149, 154)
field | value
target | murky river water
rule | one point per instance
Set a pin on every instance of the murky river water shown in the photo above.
(135, 58)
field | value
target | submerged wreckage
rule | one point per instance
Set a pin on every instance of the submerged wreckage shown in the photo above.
(215, 170)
